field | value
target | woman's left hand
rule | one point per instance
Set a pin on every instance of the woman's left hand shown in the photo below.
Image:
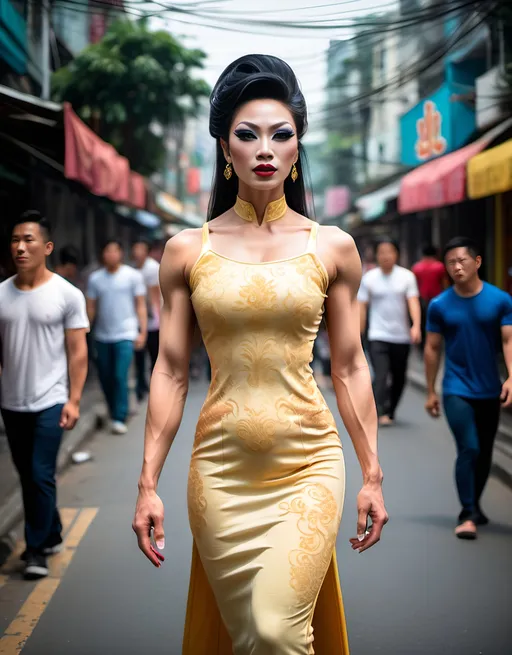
(370, 505)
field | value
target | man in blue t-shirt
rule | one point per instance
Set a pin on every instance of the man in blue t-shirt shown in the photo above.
(469, 316)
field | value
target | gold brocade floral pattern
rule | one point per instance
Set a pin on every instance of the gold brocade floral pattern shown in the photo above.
(260, 364)
(257, 431)
(317, 511)
(197, 504)
(259, 294)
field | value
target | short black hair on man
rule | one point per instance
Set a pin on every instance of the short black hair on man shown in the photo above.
(463, 242)
(143, 240)
(108, 242)
(68, 255)
(382, 240)
(429, 250)
(34, 216)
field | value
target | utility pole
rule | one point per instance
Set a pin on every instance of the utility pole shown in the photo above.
(45, 48)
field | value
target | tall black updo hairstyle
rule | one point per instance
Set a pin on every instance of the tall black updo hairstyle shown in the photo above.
(254, 77)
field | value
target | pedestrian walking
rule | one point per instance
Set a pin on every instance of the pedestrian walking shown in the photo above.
(431, 277)
(267, 477)
(68, 265)
(116, 305)
(469, 318)
(389, 294)
(149, 268)
(43, 323)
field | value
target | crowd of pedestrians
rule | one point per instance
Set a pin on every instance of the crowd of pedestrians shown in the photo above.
(45, 320)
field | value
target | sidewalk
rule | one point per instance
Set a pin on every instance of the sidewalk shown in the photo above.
(92, 414)
(502, 458)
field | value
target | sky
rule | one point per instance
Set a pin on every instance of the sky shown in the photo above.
(304, 50)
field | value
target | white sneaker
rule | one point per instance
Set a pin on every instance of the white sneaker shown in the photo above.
(119, 428)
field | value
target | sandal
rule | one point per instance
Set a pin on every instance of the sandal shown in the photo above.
(466, 530)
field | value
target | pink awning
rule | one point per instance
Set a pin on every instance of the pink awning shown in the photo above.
(98, 166)
(442, 181)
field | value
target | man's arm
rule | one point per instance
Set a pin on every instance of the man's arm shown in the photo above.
(352, 384)
(363, 316)
(432, 359)
(142, 316)
(506, 339)
(414, 306)
(91, 309)
(76, 350)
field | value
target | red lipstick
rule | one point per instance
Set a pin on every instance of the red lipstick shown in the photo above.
(265, 170)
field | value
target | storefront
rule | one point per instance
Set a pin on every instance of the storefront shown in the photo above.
(490, 176)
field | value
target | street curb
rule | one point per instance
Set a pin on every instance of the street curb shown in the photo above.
(11, 511)
(501, 473)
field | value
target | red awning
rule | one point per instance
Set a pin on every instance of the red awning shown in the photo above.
(98, 166)
(442, 181)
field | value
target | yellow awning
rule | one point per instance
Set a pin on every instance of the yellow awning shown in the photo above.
(490, 172)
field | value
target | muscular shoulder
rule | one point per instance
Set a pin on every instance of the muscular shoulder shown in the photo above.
(339, 251)
(180, 254)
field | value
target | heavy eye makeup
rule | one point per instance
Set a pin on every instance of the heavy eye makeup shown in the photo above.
(249, 135)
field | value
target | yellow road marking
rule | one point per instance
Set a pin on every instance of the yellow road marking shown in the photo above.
(20, 629)
(67, 516)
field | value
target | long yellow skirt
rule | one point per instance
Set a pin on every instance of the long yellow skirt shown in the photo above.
(205, 633)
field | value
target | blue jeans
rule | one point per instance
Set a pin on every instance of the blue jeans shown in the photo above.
(474, 424)
(113, 361)
(34, 440)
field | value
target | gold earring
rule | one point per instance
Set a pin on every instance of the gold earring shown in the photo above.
(295, 173)
(228, 171)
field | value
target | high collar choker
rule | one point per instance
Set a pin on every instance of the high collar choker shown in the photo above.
(273, 212)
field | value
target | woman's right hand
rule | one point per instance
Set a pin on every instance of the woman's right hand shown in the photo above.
(149, 515)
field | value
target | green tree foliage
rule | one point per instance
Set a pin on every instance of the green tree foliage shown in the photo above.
(129, 81)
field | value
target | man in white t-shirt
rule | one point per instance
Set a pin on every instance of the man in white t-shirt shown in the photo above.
(150, 269)
(116, 304)
(390, 293)
(43, 325)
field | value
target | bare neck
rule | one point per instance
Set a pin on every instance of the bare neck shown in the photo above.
(469, 288)
(27, 280)
(259, 199)
(113, 269)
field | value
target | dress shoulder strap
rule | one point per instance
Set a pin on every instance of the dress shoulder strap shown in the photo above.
(312, 237)
(206, 239)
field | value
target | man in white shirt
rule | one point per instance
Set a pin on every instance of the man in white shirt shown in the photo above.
(150, 269)
(391, 294)
(43, 325)
(116, 304)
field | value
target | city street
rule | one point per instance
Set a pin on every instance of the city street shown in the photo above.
(420, 591)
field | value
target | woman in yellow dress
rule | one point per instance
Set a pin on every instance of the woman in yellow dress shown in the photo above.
(267, 479)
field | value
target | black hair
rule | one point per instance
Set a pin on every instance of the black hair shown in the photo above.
(143, 240)
(389, 240)
(34, 216)
(255, 77)
(108, 242)
(68, 255)
(429, 250)
(463, 242)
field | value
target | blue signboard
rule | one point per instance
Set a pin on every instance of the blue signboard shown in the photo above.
(437, 125)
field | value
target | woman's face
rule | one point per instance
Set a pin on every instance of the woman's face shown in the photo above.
(263, 144)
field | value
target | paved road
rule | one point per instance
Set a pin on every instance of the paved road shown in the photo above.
(418, 592)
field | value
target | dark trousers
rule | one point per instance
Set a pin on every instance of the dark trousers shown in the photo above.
(474, 424)
(114, 361)
(34, 440)
(389, 361)
(142, 386)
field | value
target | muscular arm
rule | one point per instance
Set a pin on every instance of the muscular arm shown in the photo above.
(353, 387)
(76, 349)
(169, 383)
(432, 358)
(350, 372)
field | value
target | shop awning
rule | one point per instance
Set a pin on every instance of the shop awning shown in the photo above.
(372, 205)
(491, 172)
(98, 166)
(442, 181)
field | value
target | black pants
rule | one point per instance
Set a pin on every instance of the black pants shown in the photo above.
(140, 362)
(474, 424)
(34, 440)
(389, 360)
